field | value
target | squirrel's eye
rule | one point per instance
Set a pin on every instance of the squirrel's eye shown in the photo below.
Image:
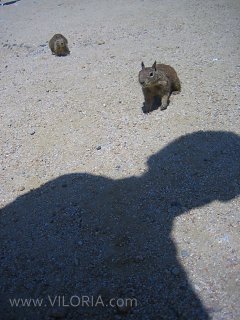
(151, 74)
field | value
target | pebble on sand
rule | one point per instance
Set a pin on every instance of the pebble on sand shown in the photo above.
(100, 42)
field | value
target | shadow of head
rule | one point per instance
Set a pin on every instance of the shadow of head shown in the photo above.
(91, 235)
(198, 168)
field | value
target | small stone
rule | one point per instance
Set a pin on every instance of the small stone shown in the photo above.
(175, 271)
(104, 105)
(139, 258)
(101, 42)
(184, 254)
(99, 148)
(32, 132)
(21, 188)
(197, 288)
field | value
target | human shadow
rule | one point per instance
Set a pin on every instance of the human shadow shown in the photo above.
(89, 235)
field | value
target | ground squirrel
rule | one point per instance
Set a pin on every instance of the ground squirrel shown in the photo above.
(158, 82)
(59, 45)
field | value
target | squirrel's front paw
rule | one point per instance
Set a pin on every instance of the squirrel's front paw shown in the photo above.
(163, 107)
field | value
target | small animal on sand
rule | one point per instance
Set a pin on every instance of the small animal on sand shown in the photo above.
(158, 83)
(59, 45)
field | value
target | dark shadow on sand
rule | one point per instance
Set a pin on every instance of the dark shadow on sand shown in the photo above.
(88, 235)
(9, 2)
(156, 105)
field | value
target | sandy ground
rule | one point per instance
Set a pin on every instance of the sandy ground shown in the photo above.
(99, 198)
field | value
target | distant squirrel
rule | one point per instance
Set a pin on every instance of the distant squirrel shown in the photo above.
(158, 81)
(59, 45)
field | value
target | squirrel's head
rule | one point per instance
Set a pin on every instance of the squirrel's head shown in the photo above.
(61, 47)
(61, 44)
(148, 76)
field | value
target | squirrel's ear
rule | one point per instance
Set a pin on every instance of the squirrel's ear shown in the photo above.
(154, 66)
(142, 64)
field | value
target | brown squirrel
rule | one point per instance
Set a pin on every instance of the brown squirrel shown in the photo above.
(158, 81)
(59, 45)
